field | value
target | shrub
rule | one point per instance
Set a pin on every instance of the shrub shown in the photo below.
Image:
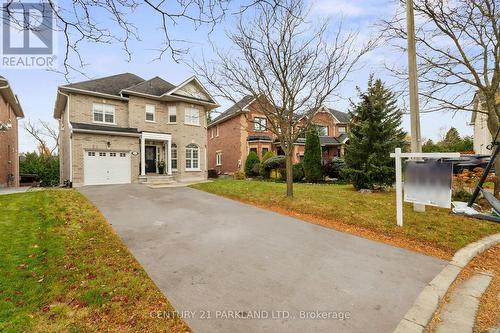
(276, 167)
(239, 175)
(212, 173)
(332, 168)
(252, 159)
(46, 167)
(256, 169)
(298, 172)
(263, 172)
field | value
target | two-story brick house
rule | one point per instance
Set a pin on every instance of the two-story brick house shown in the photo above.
(10, 112)
(122, 129)
(243, 128)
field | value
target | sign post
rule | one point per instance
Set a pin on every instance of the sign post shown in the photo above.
(398, 155)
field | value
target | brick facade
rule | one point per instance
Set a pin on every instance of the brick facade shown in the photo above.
(129, 113)
(9, 151)
(237, 135)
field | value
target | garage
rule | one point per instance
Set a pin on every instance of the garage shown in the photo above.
(105, 167)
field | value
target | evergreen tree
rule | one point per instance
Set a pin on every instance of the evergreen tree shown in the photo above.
(312, 157)
(252, 159)
(375, 133)
(452, 137)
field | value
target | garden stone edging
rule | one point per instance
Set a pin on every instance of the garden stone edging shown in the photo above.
(419, 315)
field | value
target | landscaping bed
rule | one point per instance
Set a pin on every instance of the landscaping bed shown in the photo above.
(65, 270)
(436, 232)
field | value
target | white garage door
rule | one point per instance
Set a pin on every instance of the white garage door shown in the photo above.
(104, 167)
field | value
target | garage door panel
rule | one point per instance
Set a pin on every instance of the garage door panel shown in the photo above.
(103, 167)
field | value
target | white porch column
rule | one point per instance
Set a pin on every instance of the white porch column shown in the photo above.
(143, 157)
(169, 153)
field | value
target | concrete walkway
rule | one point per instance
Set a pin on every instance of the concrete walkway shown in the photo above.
(459, 314)
(11, 190)
(221, 259)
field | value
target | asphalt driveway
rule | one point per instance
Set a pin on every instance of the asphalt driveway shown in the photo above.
(224, 264)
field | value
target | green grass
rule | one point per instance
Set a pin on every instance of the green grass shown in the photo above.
(64, 269)
(375, 212)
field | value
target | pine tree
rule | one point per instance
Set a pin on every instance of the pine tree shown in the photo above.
(312, 157)
(375, 133)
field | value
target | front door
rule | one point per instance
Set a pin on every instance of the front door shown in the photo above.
(150, 159)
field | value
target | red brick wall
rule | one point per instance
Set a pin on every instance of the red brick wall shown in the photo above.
(228, 142)
(9, 156)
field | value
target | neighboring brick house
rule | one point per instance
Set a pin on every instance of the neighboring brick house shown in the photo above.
(243, 128)
(122, 129)
(10, 111)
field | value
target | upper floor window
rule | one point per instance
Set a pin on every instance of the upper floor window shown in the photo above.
(322, 130)
(150, 113)
(212, 133)
(217, 130)
(172, 114)
(260, 124)
(342, 129)
(192, 157)
(103, 113)
(191, 116)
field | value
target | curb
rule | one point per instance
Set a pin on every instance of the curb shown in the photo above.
(419, 315)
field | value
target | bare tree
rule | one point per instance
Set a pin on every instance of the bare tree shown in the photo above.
(458, 51)
(287, 64)
(115, 21)
(46, 136)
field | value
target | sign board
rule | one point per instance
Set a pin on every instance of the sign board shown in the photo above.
(428, 182)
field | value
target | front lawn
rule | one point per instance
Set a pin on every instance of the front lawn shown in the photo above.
(63, 269)
(372, 215)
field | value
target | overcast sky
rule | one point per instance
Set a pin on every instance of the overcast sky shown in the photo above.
(36, 89)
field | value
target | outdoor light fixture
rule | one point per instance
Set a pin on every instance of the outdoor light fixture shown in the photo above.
(5, 126)
(108, 144)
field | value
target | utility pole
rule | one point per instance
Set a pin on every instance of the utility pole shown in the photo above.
(416, 141)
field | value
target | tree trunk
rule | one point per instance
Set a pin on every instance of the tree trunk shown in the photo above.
(289, 175)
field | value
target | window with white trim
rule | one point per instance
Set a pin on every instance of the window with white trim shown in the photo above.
(191, 116)
(173, 152)
(212, 133)
(322, 130)
(102, 154)
(112, 154)
(217, 130)
(192, 157)
(123, 155)
(218, 158)
(91, 153)
(103, 113)
(260, 124)
(150, 113)
(342, 129)
(172, 114)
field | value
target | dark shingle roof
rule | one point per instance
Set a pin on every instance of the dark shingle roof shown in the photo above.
(155, 86)
(235, 108)
(111, 85)
(341, 116)
(328, 141)
(259, 138)
(105, 128)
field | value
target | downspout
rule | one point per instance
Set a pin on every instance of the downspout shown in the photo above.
(70, 128)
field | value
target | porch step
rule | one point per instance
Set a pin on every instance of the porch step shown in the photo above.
(156, 180)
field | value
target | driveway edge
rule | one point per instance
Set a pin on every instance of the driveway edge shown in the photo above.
(419, 315)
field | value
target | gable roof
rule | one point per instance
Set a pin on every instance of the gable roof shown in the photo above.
(342, 117)
(121, 85)
(11, 98)
(235, 109)
(155, 86)
(110, 85)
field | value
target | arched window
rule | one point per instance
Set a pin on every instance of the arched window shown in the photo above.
(174, 156)
(192, 157)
